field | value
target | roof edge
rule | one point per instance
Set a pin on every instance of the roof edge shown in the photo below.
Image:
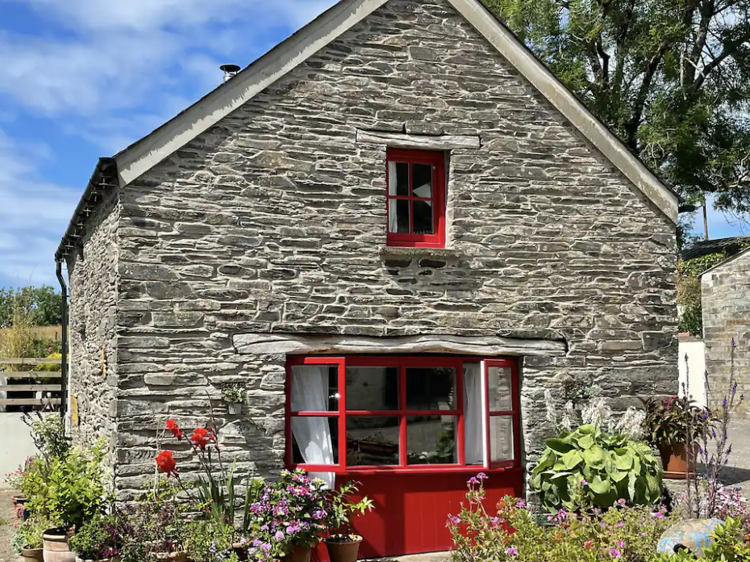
(276, 63)
(604, 140)
(725, 262)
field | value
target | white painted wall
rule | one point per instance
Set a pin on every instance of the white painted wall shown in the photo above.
(15, 444)
(695, 367)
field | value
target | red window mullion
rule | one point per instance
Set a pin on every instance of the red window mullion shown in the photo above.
(488, 433)
(461, 413)
(403, 448)
(342, 414)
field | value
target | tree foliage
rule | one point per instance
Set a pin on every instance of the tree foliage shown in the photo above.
(670, 77)
(40, 306)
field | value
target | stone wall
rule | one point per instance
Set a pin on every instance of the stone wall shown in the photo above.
(93, 335)
(726, 317)
(274, 221)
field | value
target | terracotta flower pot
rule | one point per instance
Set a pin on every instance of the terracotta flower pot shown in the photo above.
(240, 551)
(343, 551)
(674, 458)
(56, 547)
(30, 554)
(299, 554)
(171, 557)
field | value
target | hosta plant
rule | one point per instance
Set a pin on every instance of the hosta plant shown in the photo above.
(589, 466)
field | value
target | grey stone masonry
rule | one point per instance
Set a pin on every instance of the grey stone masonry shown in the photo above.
(726, 317)
(274, 222)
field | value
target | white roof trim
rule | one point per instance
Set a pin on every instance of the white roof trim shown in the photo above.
(152, 149)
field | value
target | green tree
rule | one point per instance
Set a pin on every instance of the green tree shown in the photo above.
(670, 77)
(41, 306)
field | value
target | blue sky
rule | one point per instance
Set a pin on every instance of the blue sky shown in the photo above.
(81, 79)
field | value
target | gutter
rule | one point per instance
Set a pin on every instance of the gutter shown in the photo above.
(64, 346)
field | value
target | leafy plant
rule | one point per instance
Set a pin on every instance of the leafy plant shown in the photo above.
(208, 542)
(49, 435)
(341, 508)
(668, 421)
(513, 532)
(591, 467)
(69, 489)
(235, 394)
(99, 539)
(30, 532)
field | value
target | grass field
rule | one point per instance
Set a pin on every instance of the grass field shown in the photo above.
(43, 333)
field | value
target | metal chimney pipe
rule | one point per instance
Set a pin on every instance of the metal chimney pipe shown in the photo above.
(230, 71)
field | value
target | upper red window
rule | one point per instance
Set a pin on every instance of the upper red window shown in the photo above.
(416, 198)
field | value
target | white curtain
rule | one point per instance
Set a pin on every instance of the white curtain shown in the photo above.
(473, 414)
(3, 394)
(313, 435)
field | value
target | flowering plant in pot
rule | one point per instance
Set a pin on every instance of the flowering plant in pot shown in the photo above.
(99, 539)
(342, 543)
(235, 396)
(27, 541)
(671, 423)
(288, 518)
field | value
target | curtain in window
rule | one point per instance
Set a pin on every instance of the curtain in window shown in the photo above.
(473, 413)
(3, 394)
(313, 435)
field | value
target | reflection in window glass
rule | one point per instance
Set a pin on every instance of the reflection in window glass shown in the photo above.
(315, 440)
(314, 388)
(398, 179)
(372, 388)
(422, 180)
(500, 389)
(423, 217)
(430, 388)
(501, 438)
(372, 441)
(398, 220)
(431, 439)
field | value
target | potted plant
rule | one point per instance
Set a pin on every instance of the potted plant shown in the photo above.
(343, 544)
(99, 540)
(28, 539)
(670, 425)
(235, 396)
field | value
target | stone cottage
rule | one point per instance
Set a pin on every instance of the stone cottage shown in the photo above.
(725, 294)
(396, 229)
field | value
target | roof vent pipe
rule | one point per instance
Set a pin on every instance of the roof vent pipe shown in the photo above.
(230, 71)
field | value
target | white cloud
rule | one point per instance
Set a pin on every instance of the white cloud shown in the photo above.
(32, 215)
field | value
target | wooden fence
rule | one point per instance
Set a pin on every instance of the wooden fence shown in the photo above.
(30, 381)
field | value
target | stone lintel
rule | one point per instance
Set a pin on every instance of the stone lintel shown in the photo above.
(273, 344)
(428, 142)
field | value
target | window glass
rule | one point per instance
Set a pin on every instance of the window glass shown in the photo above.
(399, 216)
(315, 440)
(372, 388)
(314, 388)
(422, 182)
(500, 389)
(423, 217)
(372, 441)
(430, 388)
(501, 438)
(398, 179)
(431, 439)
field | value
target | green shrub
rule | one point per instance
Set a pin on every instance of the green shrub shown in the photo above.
(589, 467)
(99, 539)
(208, 541)
(29, 533)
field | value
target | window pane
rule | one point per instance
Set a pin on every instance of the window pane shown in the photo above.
(422, 180)
(372, 388)
(431, 388)
(372, 441)
(500, 389)
(315, 388)
(431, 440)
(423, 218)
(473, 414)
(398, 179)
(315, 440)
(399, 216)
(501, 438)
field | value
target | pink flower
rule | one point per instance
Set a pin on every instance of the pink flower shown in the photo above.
(482, 476)
(614, 553)
(620, 544)
(511, 551)
(659, 515)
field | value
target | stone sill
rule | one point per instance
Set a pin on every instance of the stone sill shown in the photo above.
(391, 252)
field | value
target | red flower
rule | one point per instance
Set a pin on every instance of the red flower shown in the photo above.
(166, 463)
(174, 429)
(200, 437)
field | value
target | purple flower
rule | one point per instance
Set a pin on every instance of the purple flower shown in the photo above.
(495, 520)
(482, 476)
(621, 501)
(620, 544)
(257, 543)
(265, 546)
(473, 480)
(279, 536)
(511, 551)
(614, 553)
(659, 515)
(584, 482)
(521, 504)
(455, 519)
(621, 524)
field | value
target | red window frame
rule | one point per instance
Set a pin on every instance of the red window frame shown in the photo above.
(411, 157)
(404, 362)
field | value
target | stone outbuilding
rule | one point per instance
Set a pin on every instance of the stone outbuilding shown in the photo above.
(396, 230)
(725, 295)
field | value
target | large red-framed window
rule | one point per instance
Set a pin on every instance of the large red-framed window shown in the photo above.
(415, 198)
(402, 414)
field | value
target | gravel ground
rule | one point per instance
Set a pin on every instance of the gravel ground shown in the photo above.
(737, 472)
(7, 527)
